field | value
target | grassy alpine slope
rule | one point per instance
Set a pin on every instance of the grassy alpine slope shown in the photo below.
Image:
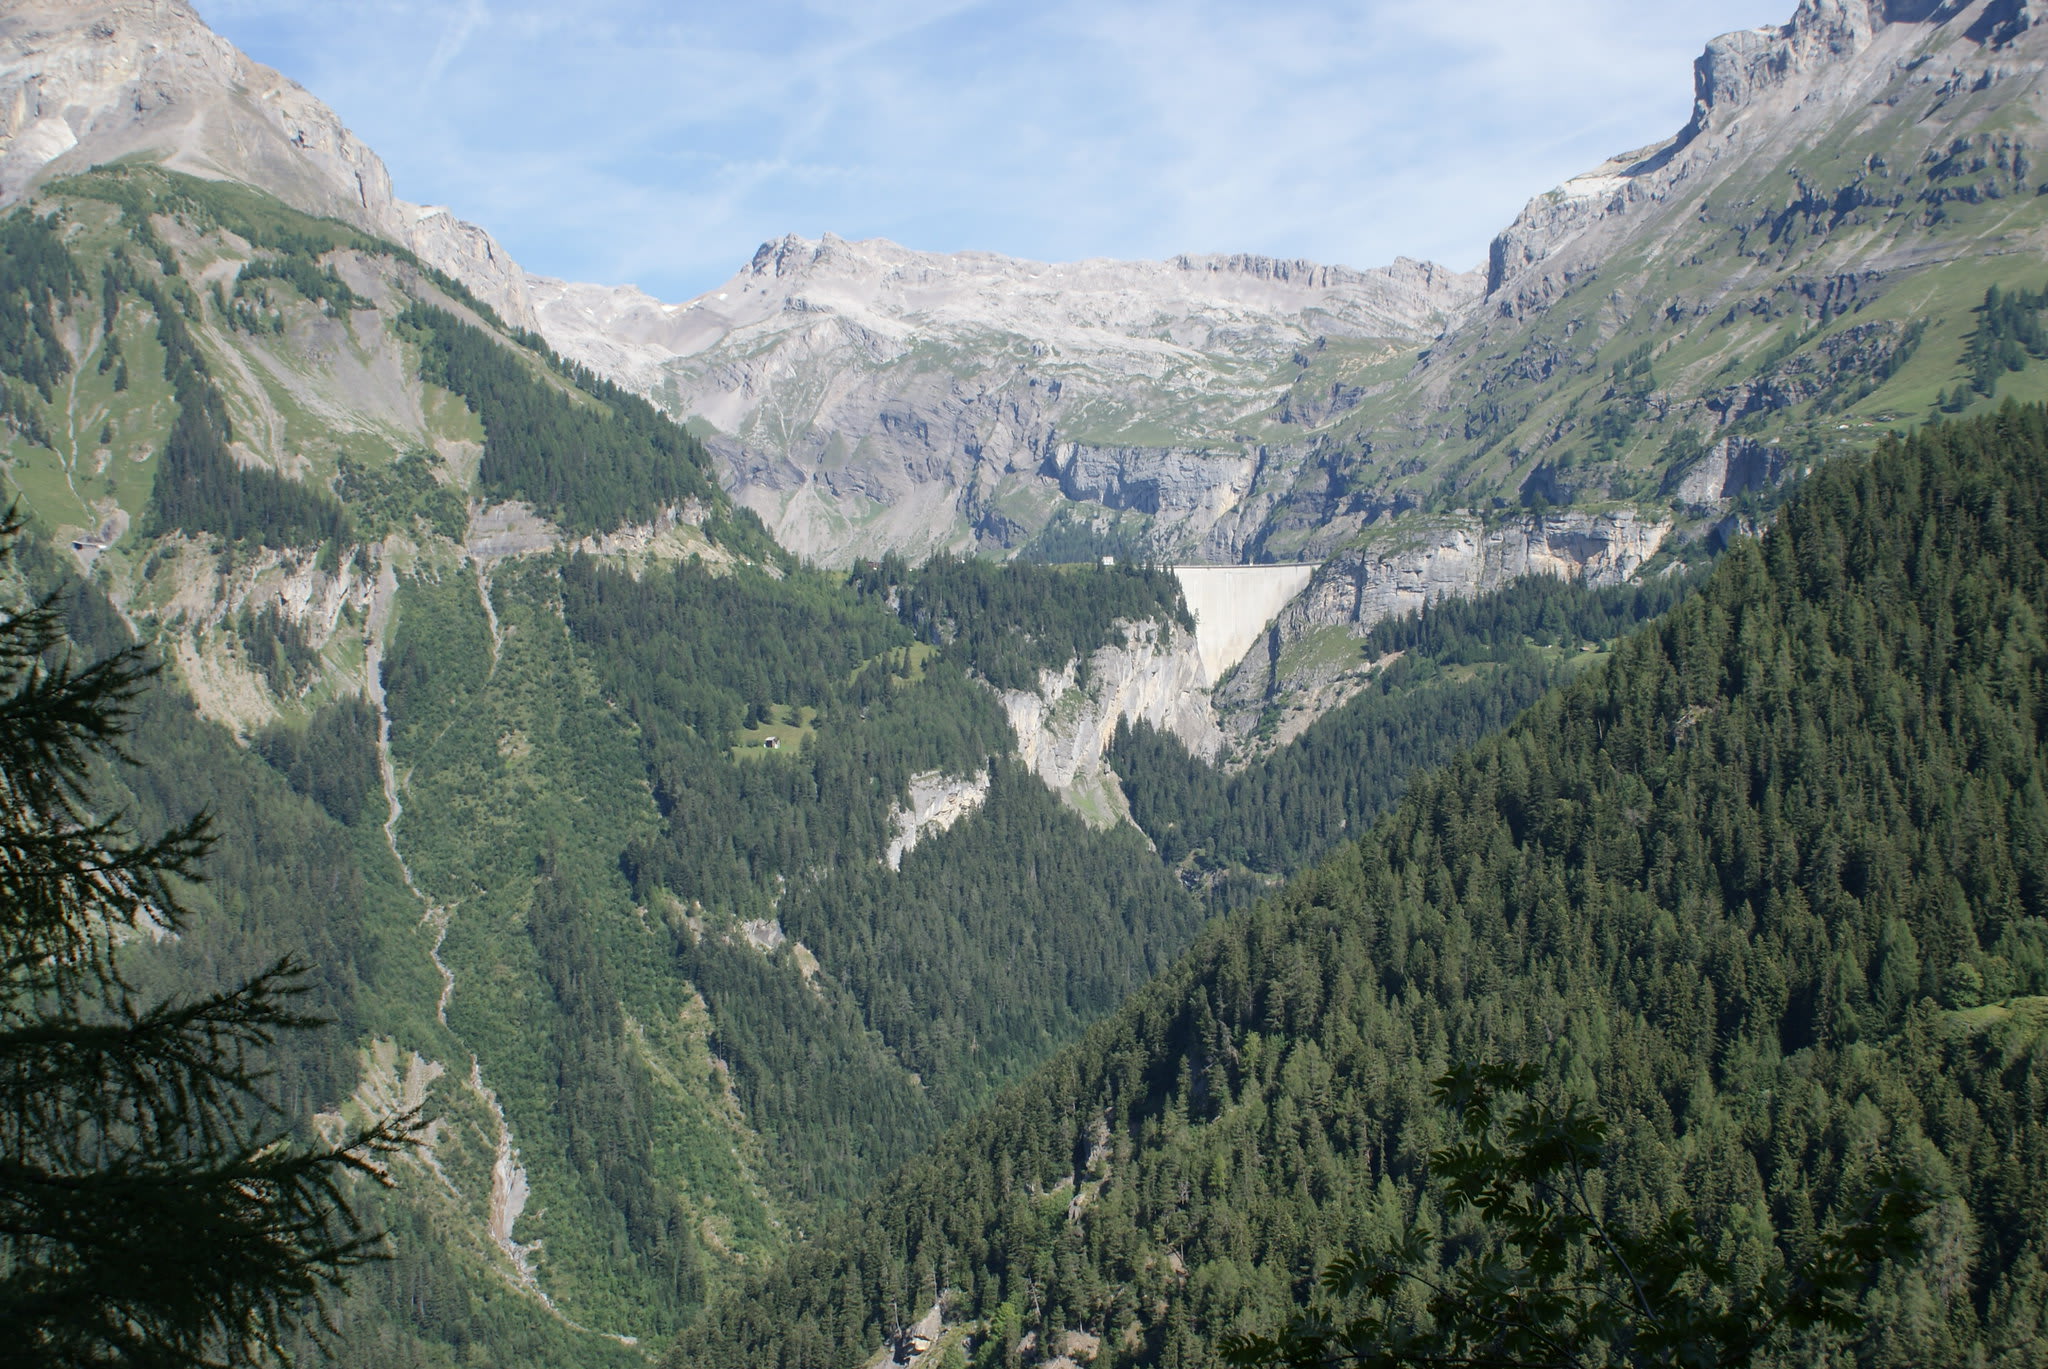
(1816, 276)
(1769, 884)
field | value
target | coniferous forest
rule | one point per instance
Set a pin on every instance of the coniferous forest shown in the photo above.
(1455, 674)
(607, 862)
(1768, 885)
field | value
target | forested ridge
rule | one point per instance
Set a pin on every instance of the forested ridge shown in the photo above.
(37, 278)
(994, 943)
(585, 453)
(1008, 622)
(1768, 886)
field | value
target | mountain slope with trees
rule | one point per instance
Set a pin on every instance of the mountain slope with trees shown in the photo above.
(477, 662)
(1769, 886)
(479, 668)
(1442, 680)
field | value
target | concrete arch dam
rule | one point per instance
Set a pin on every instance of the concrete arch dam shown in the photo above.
(1234, 605)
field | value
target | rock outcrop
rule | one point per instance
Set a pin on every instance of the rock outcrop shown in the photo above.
(1778, 84)
(1414, 563)
(85, 82)
(937, 801)
(1732, 467)
(1065, 725)
(1428, 561)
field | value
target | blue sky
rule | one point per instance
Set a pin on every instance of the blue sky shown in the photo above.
(626, 140)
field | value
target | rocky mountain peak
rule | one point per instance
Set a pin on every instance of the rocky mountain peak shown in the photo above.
(902, 282)
(1738, 67)
(1796, 74)
(973, 393)
(84, 83)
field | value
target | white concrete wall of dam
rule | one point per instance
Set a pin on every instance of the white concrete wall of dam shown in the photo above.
(1233, 605)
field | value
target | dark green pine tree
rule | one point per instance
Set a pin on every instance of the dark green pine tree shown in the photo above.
(1559, 1285)
(154, 1209)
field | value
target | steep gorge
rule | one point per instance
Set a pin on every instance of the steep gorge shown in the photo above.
(687, 964)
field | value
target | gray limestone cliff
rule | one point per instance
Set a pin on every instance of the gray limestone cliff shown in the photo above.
(937, 801)
(1460, 557)
(1064, 726)
(1414, 562)
(85, 82)
(866, 397)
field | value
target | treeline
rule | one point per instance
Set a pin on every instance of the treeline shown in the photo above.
(2008, 333)
(1007, 622)
(1069, 538)
(259, 219)
(1769, 885)
(277, 648)
(300, 269)
(332, 760)
(806, 640)
(392, 497)
(199, 486)
(589, 461)
(602, 1082)
(1465, 668)
(249, 306)
(1015, 931)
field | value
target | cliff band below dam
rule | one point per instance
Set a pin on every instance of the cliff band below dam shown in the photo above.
(1233, 605)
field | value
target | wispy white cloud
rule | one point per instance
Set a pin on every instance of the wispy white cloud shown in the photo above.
(454, 38)
(660, 142)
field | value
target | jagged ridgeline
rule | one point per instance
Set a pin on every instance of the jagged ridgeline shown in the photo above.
(1769, 884)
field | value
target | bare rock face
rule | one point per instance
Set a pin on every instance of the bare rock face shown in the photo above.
(869, 397)
(84, 83)
(937, 801)
(1459, 558)
(1414, 564)
(865, 397)
(1732, 467)
(1064, 726)
(1770, 85)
